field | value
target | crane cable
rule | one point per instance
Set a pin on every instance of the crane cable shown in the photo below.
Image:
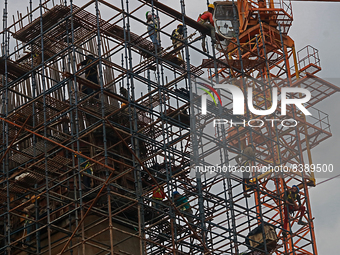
(328, 179)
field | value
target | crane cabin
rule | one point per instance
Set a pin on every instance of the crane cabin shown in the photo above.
(230, 16)
(226, 19)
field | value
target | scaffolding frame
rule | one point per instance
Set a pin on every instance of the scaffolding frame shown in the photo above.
(150, 138)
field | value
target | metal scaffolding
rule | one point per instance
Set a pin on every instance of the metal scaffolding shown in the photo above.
(81, 156)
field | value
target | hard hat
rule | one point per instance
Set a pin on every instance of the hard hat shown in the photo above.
(33, 198)
(146, 14)
(180, 25)
(211, 6)
(294, 186)
(175, 193)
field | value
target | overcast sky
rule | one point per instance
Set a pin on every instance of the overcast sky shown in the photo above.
(315, 24)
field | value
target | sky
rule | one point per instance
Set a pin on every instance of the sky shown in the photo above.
(315, 24)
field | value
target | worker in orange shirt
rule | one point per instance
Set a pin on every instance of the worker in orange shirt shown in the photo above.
(206, 19)
(158, 196)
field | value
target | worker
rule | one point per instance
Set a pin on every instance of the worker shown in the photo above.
(182, 203)
(262, 3)
(247, 155)
(177, 36)
(87, 181)
(90, 73)
(291, 196)
(29, 216)
(206, 19)
(123, 91)
(158, 196)
(153, 24)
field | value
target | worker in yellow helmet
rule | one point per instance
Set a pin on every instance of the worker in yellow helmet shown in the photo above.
(177, 36)
(91, 74)
(206, 19)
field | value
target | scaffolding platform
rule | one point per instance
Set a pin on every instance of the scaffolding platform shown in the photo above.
(320, 89)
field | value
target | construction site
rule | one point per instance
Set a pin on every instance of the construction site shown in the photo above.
(103, 131)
